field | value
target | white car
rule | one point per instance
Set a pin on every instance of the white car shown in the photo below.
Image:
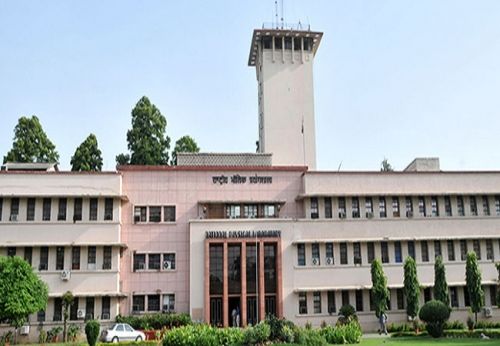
(122, 332)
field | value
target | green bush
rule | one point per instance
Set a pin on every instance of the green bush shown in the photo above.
(455, 325)
(457, 334)
(349, 333)
(407, 334)
(156, 321)
(403, 327)
(73, 331)
(308, 337)
(257, 335)
(434, 313)
(281, 329)
(92, 332)
(487, 325)
(229, 336)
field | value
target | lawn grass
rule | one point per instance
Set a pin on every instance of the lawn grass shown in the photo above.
(420, 341)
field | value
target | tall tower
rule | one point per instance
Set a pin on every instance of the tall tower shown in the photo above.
(283, 59)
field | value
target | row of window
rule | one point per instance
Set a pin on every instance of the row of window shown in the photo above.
(399, 304)
(88, 306)
(153, 303)
(154, 261)
(62, 209)
(251, 211)
(421, 209)
(287, 43)
(354, 250)
(60, 257)
(154, 213)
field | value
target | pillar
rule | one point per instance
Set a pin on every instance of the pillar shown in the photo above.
(206, 309)
(243, 312)
(262, 292)
(225, 300)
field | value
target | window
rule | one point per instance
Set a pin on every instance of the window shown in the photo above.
(317, 302)
(154, 261)
(138, 303)
(75, 258)
(371, 251)
(314, 208)
(486, 206)
(357, 253)
(385, 252)
(89, 308)
(342, 209)
(345, 298)
(91, 257)
(169, 213)
(355, 207)
(14, 209)
(106, 261)
(154, 214)
(400, 297)
(331, 302)
(11, 251)
(169, 261)
(421, 206)
(105, 308)
(57, 309)
(108, 209)
(153, 302)
(466, 296)
(329, 253)
(476, 246)
(47, 202)
(451, 250)
(359, 300)
(328, 207)
(395, 206)
(409, 207)
(315, 253)
(411, 249)
(40, 316)
(30, 212)
(28, 254)
(454, 297)
(1, 208)
(489, 249)
(301, 254)
(139, 261)
(427, 294)
(250, 211)
(59, 258)
(463, 250)
(369, 207)
(381, 207)
(93, 209)
(343, 253)
(140, 213)
(168, 303)
(493, 294)
(437, 249)
(77, 210)
(61, 212)
(460, 206)
(398, 257)
(447, 206)
(497, 205)
(473, 205)
(302, 303)
(424, 248)
(44, 258)
(434, 206)
(233, 211)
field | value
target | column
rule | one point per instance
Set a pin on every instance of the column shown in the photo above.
(206, 309)
(225, 301)
(279, 277)
(243, 312)
(262, 292)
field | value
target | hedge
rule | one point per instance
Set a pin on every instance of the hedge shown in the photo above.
(156, 321)
(492, 334)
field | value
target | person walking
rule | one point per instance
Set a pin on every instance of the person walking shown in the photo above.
(383, 323)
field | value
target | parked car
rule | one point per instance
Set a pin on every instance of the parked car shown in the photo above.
(122, 332)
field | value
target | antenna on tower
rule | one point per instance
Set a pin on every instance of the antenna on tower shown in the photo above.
(276, 13)
(282, 17)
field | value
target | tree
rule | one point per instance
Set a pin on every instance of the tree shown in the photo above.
(87, 156)
(31, 143)
(147, 141)
(122, 159)
(380, 293)
(21, 291)
(385, 166)
(434, 313)
(67, 301)
(411, 287)
(185, 144)
(440, 286)
(473, 283)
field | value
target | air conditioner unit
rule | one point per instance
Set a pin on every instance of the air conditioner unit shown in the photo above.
(409, 214)
(315, 261)
(369, 215)
(25, 330)
(342, 215)
(487, 311)
(167, 265)
(13, 217)
(65, 275)
(80, 314)
(329, 261)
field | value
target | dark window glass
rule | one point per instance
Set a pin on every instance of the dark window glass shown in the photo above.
(302, 303)
(424, 251)
(486, 206)
(328, 207)
(267, 42)
(106, 263)
(371, 251)
(343, 253)
(154, 261)
(75, 258)
(288, 43)
(355, 207)
(400, 298)
(359, 300)
(14, 209)
(385, 252)
(234, 268)
(30, 212)
(451, 250)
(315, 253)
(108, 209)
(331, 302)
(409, 206)
(140, 214)
(493, 294)
(357, 253)
(497, 205)
(382, 207)
(489, 249)
(11, 251)
(463, 250)
(317, 302)
(411, 249)
(477, 248)
(89, 308)
(168, 261)
(252, 256)
(73, 310)
(368, 207)
(447, 206)
(250, 211)
(345, 298)
(91, 256)
(105, 308)
(61, 213)
(138, 303)
(454, 297)
(314, 208)
(153, 302)
(77, 210)
(168, 303)
(40, 316)
(57, 309)
(437, 248)
(169, 213)
(460, 206)
(301, 254)
(139, 261)
(421, 206)
(59, 258)
(434, 206)
(154, 214)
(329, 253)
(47, 203)
(1, 208)
(44, 258)
(270, 268)
(216, 268)
(473, 205)
(427, 294)
(278, 42)
(395, 207)
(28, 254)
(216, 310)
(93, 203)
(342, 209)
(466, 296)
(398, 258)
